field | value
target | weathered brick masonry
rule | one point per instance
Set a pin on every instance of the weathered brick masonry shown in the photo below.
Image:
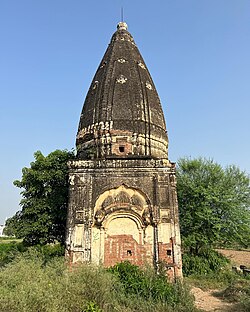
(122, 196)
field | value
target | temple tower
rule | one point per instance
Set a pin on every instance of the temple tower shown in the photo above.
(122, 196)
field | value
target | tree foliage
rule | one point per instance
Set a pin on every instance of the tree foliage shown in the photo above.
(213, 204)
(44, 185)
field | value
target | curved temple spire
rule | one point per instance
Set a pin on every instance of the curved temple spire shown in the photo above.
(122, 114)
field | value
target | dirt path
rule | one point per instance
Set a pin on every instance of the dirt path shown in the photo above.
(207, 300)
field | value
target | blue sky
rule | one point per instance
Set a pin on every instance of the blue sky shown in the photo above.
(197, 51)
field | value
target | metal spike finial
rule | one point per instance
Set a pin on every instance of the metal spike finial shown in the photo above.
(122, 17)
(122, 25)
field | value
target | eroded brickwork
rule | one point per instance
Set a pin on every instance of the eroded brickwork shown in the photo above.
(124, 247)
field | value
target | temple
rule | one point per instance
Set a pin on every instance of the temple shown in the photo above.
(122, 195)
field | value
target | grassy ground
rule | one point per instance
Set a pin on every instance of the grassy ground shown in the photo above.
(39, 280)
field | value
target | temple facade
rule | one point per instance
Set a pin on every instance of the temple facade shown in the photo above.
(122, 195)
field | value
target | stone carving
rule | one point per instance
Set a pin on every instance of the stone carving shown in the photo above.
(99, 216)
(146, 218)
(148, 85)
(165, 219)
(79, 216)
(122, 197)
(141, 65)
(122, 79)
(135, 200)
(107, 202)
(72, 180)
(121, 60)
(95, 85)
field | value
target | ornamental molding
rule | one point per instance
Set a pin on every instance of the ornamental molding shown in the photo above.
(121, 79)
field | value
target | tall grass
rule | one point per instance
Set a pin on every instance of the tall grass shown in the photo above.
(31, 284)
(28, 284)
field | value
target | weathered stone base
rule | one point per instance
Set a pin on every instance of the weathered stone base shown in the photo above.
(124, 209)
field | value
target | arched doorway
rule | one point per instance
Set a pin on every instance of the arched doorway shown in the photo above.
(124, 240)
(123, 223)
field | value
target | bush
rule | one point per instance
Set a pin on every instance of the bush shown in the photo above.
(8, 251)
(146, 285)
(50, 251)
(208, 261)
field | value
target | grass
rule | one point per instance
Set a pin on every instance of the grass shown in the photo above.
(32, 282)
(37, 279)
(218, 280)
(10, 240)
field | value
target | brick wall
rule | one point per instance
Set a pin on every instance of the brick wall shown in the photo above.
(124, 247)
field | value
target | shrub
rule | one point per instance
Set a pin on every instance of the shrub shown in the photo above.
(50, 251)
(150, 287)
(8, 251)
(208, 261)
(144, 283)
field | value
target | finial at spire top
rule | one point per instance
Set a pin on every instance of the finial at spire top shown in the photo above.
(122, 14)
(122, 26)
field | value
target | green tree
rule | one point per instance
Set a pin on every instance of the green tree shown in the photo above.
(42, 218)
(11, 225)
(213, 204)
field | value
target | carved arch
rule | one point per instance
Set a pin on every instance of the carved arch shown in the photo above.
(133, 216)
(122, 200)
